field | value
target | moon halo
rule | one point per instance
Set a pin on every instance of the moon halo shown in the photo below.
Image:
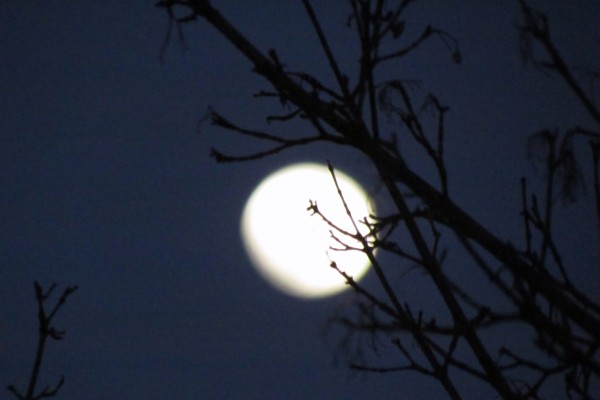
(291, 248)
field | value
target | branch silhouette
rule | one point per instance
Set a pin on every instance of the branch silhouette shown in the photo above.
(532, 276)
(46, 331)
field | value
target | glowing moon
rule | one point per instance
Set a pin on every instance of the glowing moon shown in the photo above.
(292, 249)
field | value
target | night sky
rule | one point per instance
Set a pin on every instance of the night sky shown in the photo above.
(106, 183)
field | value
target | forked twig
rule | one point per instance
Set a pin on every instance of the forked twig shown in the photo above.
(46, 330)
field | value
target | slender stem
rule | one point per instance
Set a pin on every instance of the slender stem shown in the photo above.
(342, 81)
(39, 354)
(495, 377)
(439, 370)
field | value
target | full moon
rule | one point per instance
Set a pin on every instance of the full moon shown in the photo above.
(293, 249)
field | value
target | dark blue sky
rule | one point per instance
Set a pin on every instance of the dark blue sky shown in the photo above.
(107, 184)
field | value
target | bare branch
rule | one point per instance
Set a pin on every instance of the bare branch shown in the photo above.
(533, 278)
(46, 330)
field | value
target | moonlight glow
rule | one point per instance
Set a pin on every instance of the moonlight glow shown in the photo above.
(291, 248)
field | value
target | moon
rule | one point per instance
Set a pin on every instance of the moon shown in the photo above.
(293, 249)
